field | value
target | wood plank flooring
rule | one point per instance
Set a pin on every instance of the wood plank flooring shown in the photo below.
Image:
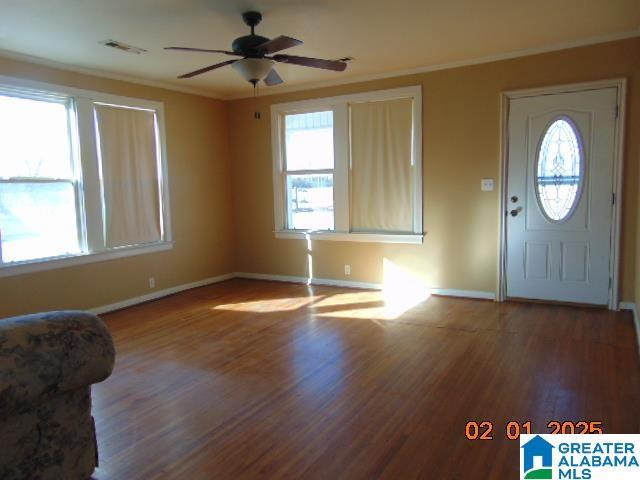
(249, 379)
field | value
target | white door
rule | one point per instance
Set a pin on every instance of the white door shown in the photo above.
(560, 196)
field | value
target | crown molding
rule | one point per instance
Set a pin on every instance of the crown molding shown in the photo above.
(446, 66)
(21, 57)
(329, 83)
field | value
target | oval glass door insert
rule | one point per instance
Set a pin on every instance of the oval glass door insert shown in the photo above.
(559, 171)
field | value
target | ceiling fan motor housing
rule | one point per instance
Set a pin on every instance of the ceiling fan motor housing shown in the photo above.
(247, 45)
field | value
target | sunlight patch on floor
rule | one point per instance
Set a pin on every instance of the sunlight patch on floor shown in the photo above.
(269, 305)
(350, 298)
(402, 290)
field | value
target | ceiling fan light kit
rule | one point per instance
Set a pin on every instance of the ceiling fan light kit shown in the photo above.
(253, 70)
(258, 57)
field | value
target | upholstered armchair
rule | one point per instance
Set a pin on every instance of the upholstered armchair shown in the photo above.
(48, 362)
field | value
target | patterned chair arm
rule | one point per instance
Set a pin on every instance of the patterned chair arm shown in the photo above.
(44, 354)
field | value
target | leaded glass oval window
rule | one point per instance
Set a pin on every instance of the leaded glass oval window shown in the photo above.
(559, 170)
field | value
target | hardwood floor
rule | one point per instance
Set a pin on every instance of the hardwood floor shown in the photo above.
(250, 379)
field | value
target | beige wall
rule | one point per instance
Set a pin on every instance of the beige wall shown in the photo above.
(199, 175)
(461, 144)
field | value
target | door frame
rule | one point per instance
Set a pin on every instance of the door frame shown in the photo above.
(618, 163)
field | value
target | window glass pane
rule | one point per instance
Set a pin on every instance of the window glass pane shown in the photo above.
(559, 171)
(310, 202)
(34, 139)
(37, 220)
(309, 141)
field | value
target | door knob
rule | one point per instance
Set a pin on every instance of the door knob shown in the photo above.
(515, 211)
(514, 199)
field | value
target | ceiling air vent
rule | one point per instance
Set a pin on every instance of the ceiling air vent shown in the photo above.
(123, 46)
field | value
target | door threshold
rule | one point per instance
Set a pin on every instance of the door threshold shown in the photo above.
(556, 303)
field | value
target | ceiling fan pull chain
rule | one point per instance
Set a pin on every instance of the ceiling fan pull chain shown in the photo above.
(256, 113)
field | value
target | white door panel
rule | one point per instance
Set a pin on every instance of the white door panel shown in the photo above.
(558, 249)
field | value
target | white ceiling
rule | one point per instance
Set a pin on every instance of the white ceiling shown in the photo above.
(382, 35)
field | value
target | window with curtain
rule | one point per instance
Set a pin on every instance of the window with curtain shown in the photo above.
(382, 187)
(364, 167)
(130, 176)
(82, 177)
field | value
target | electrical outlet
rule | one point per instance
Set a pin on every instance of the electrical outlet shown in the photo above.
(152, 282)
(486, 184)
(347, 269)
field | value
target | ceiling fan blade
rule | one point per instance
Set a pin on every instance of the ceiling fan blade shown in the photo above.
(207, 69)
(189, 49)
(279, 43)
(335, 65)
(273, 78)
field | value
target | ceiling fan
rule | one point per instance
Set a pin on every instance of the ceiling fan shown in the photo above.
(259, 55)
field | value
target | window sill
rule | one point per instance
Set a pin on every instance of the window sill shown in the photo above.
(413, 239)
(31, 266)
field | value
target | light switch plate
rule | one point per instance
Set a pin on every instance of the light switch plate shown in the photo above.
(486, 184)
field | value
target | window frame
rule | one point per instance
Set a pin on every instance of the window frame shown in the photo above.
(88, 181)
(341, 133)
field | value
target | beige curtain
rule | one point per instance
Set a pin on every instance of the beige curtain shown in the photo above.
(381, 172)
(130, 175)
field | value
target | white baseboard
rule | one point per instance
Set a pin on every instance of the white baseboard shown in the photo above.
(351, 284)
(159, 294)
(627, 306)
(634, 309)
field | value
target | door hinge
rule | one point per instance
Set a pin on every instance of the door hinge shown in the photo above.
(613, 198)
(617, 110)
(610, 282)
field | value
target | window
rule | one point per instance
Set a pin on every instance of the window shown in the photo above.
(309, 170)
(381, 166)
(559, 171)
(349, 167)
(82, 177)
(128, 156)
(39, 183)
